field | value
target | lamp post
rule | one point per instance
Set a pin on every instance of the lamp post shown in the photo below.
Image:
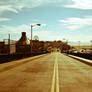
(9, 45)
(31, 35)
(91, 44)
(79, 44)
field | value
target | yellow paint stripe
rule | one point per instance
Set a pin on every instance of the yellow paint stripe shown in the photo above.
(55, 78)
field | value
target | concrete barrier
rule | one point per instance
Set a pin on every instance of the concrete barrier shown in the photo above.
(83, 60)
(8, 58)
(83, 55)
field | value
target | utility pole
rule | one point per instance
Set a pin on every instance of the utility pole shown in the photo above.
(8, 44)
(79, 45)
(31, 39)
(91, 44)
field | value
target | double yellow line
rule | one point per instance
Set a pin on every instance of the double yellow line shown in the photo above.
(55, 79)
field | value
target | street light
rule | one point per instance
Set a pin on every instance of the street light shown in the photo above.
(31, 34)
(79, 44)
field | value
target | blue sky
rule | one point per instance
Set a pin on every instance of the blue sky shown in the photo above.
(60, 19)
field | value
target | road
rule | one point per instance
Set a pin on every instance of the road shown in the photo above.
(54, 72)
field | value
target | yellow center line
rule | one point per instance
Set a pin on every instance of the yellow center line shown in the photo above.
(55, 79)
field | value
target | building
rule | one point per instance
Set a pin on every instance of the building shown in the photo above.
(37, 46)
(7, 48)
(1, 47)
(23, 45)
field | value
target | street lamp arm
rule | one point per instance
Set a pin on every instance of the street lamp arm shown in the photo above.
(35, 25)
(38, 24)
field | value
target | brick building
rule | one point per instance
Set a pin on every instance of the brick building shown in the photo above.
(23, 45)
(1, 47)
(37, 46)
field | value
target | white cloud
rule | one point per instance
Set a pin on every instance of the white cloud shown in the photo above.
(15, 32)
(45, 35)
(16, 5)
(4, 19)
(76, 23)
(14, 29)
(43, 24)
(80, 4)
(79, 37)
(49, 36)
(4, 8)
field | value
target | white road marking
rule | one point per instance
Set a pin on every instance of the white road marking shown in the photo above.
(55, 79)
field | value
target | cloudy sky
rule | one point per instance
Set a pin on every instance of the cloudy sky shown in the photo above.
(60, 19)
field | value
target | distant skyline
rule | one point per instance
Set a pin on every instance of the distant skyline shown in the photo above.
(60, 19)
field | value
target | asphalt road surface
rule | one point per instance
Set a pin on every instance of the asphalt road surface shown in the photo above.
(53, 72)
